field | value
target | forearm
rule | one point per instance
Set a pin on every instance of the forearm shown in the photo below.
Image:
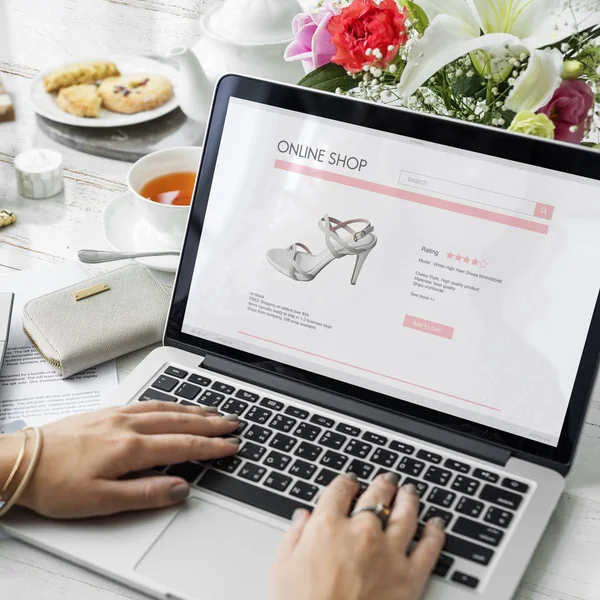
(10, 449)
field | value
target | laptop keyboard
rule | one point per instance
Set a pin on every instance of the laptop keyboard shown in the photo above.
(288, 455)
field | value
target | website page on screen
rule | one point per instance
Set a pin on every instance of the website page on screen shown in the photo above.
(453, 280)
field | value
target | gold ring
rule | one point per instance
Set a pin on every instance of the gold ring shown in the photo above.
(381, 511)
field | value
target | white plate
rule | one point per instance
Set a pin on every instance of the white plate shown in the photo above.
(45, 105)
(125, 231)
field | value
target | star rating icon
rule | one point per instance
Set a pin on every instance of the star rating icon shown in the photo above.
(482, 264)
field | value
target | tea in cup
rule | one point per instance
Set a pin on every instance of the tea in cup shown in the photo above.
(162, 184)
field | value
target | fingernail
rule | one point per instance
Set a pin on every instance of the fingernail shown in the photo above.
(233, 440)
(392, 478)
(179, 492)
(409, 488)
(438, 522)
(232, 417)
(211, 409)
(351, 476)
(298, 515)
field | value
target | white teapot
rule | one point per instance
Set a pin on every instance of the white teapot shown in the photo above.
(247, 37)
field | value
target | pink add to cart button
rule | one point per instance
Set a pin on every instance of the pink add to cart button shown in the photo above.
(428, 327)
(544, 211)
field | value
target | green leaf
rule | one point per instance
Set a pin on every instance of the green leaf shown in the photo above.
(469, 86)
(417, 16)
(329, 78)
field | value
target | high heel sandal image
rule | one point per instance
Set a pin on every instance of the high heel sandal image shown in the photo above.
(300, 264)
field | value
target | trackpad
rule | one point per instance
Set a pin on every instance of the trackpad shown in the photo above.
(209, 552)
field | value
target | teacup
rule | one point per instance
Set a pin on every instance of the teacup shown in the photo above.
(168, 221)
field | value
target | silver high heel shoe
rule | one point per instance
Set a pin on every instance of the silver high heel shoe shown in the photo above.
(298, 262)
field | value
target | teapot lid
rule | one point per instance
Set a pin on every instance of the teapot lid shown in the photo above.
(253, 21)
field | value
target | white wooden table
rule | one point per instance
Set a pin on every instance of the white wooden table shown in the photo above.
(37, 34)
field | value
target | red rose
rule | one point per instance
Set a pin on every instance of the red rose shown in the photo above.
(366, 25)
(569, 109)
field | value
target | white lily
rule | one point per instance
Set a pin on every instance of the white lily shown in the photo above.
(510, 27)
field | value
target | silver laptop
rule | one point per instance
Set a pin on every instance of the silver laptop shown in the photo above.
(6, 304)
(371, 290)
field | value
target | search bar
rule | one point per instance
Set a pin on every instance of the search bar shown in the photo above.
(476, 195)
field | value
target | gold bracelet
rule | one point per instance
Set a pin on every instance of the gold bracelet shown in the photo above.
(16, 465)
(37, 450)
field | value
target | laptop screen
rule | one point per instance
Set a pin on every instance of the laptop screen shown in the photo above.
(458, 281)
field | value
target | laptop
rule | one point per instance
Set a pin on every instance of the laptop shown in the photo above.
(370, 290)
(6, 304)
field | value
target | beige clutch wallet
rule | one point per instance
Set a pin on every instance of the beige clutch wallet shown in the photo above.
(96, 320)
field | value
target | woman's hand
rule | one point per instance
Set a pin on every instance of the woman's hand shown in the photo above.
(329, 556)
(84, 458)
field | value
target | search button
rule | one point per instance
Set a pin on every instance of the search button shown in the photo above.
(543, 211)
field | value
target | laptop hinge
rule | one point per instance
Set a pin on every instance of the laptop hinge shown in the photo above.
(358, 410)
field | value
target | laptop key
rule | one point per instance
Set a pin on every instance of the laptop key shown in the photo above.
(437, 475)
(457, 466)
(258, 434)
(497, 516)
(241, 426)
(467, 549)
(188, 403)
(299, 413)
(502, 497)
(234, 406)
(278, 461)
(283, 423)
(272, 404)
(252, 472)
(322, 421)
(199, 380)
(443, 565)
(361, 469)
(165, 384)
(466, 485)
(252, 451)
(151, 394)
(434, 511)
(325, 477)
(258, 415)
(384, 457)
(464, 579)
(303, 469)
(189, 391)
(375, 438)
(478, 531)
(187, 470)
(402, 447)
(307, 431)
(348, 429)
(333, 440)
(283, 442)
(334, 460)
(308, 451)
(248, 493)
(469, 507)
(244, 395)
(358, 448)
(211, 398)
(421, 486)
(485, 475)
(441, 497)
(429, 456)
(278, 481)
(411, 466)
(304, 491)
(224, 388)
(229, 464)
(515, 486)
(175, 372)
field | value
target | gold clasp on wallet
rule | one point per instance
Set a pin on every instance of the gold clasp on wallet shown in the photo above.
(92, 291)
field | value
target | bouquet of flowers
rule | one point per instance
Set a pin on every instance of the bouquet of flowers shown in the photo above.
(530, 66)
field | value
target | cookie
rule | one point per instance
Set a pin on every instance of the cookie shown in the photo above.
(131, 94)
(7, 110)
(79, 73)
(80, 100)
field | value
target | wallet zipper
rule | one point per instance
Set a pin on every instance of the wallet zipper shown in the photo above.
(55, 363)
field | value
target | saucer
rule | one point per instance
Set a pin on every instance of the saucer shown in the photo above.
(125, 231)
